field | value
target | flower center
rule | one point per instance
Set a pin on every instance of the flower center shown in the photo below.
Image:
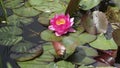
(60, 21)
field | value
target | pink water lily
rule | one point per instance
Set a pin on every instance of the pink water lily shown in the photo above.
(61, 24)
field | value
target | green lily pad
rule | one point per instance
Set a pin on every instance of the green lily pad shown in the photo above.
(81, 56)
(102, 43)
(90, 51)
(47, 6)
(13, 3)
(26, 11)
(17, 20)
(88, 4)
(72, 41)
(44, 19)
(25, 51)
(64, 64)
(87, 61)
(9, 35)
(48, 35)
(36, 64)
(13, 30)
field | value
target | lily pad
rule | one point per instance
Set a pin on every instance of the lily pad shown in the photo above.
(17, 20)
(26, 11)
(90, 51)
(88, 4)
(25, 51)
(72, 41)
(9, 35)
(36, 64)
(81, 56)
(48, 35)
(102, 43)
(47, 6)
(44, 18)
(13, 30)
(64, 64)
(13, 3)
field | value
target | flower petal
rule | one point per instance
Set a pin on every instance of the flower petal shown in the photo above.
(57, 34)
(72, 21)
(51, 28)
(72, 30)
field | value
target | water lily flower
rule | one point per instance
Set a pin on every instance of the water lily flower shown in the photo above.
(61, 24)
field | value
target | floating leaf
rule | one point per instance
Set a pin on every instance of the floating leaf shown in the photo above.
(9, 35)
(116, 36)
(35, 2)
(72, 41)
(17, 20)
(77, 56)
(80, 56)
(25, 51)
(13, 3)
(88, 4)
(10, 40)
(26, 11)
(89, 51)
(64, 64)
(44, 18)
(11, 30)
(49, 53)
(87, 61)
(36, 64)
(102, 43)
(47, 6)
(48, 35)
(100, 21)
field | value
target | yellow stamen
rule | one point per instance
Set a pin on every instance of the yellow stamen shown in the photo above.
(60, 21)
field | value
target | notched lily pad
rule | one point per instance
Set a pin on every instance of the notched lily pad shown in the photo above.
(48, 35)
(25, 51)
(102, 43)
